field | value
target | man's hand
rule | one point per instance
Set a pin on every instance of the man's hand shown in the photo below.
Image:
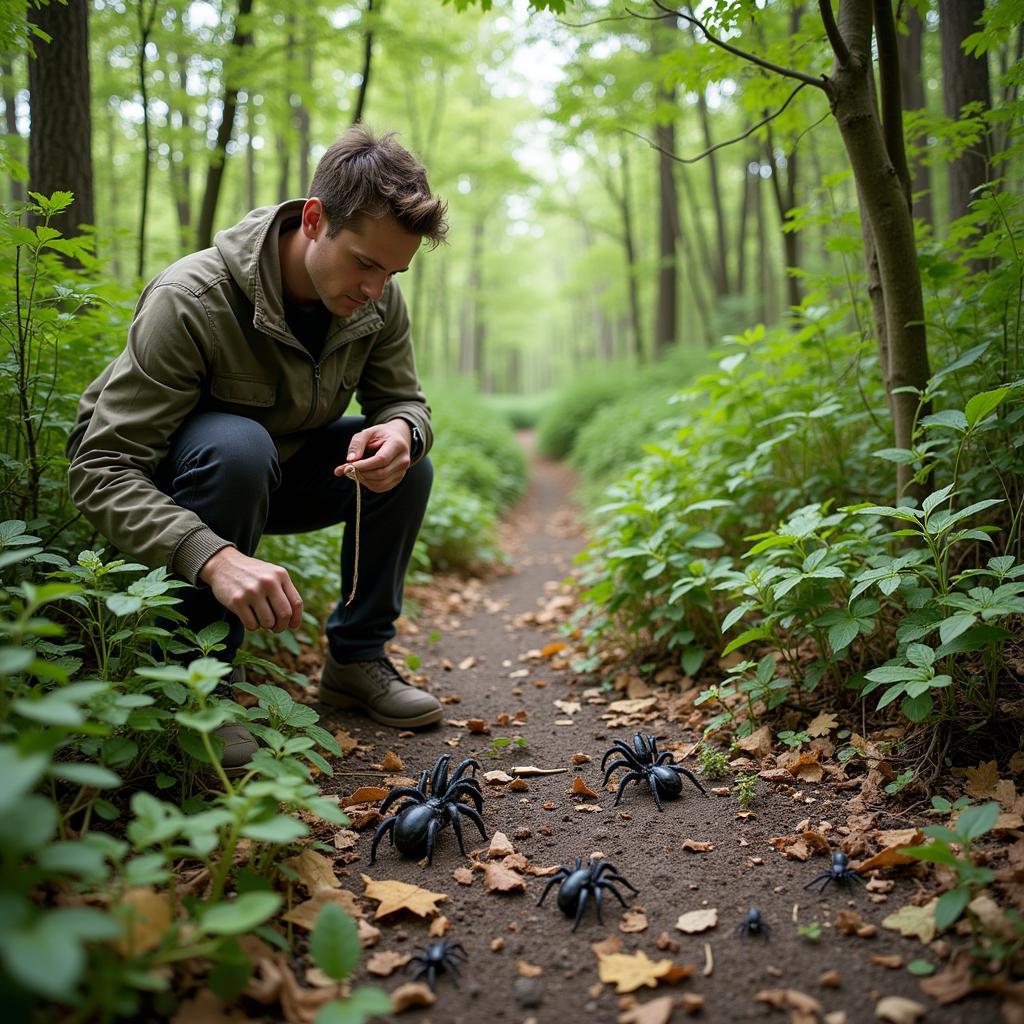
(386, 447)
(260, 594)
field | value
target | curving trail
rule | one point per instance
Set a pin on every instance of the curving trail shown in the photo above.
(494, 623)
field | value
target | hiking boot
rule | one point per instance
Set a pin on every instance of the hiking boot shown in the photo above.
(376, 688)
(239, 745)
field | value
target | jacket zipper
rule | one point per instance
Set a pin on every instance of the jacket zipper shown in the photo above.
(316, 389)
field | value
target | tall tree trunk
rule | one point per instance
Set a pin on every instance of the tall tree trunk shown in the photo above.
(964, 80)
(720, 271)
(179, 163)
(629, 242)
(667, 313)
(364, 81)
(749, 181)
(250, 155)
(17, 187)
(302, 120)
(869, 145)
(784, 189)
(912, 88)
(146, 15)
(762, 252)
(693, 276)
(241, 38)
(60, 144)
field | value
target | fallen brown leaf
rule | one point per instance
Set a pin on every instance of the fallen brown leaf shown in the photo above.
(914, 921)
(346, 741)
(411, 994)
(439, 926)
(467, 663)
(345, 839)
(898, 1010)
(364, 795)
(273, 981)
(696, 846)
(478, 726)
(501, 846)
(697, 921)
(527, 970)
(580, 758)
(628, 972)
(656, 1011)
(150, 919)
(606, 947)
(499, 878)
(463, 876)
(893, 961)
(691, 1003)
(953, 982)
(823, 724)
(783, 998)
(982, 780)
(758, 743)
(392, 763)
(206, 1008)
(634, 920)
(394, 896)
(386, 962)
(580, 788)
(305, 914)
(314, 870)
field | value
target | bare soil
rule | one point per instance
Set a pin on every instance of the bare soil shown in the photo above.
(490, 623)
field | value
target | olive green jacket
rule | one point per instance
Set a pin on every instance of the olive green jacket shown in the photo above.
(209, 334)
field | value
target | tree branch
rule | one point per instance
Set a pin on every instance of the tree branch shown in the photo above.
(889, 85)
(768, 65)
(587, 24)
(718, 145)
(835, 37)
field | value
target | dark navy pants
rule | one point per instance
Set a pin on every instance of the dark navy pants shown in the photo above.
(225, 469)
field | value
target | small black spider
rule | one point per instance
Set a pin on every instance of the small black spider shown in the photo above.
(753, 924)
(644, 762)
(839, 872)
(415, 825)
(440, 957)
(580, 883)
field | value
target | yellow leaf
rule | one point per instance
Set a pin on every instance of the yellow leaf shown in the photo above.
(314, 870)
(630, 972)
(394, 896)
(914, 921)
(657, 1011)
(552, 649)
(982, 780)
(823, 724)
(385, 963)
(150, 918)
(305, 914)
(634, 920)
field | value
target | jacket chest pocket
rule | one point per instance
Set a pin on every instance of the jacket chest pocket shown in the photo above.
(243, 389)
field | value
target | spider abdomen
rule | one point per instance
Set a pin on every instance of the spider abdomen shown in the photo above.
(669, 784)
(411, 830)
(569, 891)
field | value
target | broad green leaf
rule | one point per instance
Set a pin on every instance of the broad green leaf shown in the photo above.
(363, 1003)
(950, 906)
(45, 957)
(20, 773)
(202, 721)
(842, 635)
(279, 829)
(93, 775)
(241, 914)
(976, 821)
(982, 404)
(952, 627)
(335, 942)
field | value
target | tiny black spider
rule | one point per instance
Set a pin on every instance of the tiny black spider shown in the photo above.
(645, 763)
(415, 825)
(439, 957)
(839, 872)
(753, 924)
(580, 883)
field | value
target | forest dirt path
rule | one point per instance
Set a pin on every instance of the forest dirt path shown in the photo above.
(525, 964)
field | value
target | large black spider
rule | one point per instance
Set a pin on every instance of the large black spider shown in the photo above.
(645, 763)
(415, 825)
(580, 883)
(439, 957)
(839, 872)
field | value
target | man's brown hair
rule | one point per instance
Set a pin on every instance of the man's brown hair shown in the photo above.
(363, 175)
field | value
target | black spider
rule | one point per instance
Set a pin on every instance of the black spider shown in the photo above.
(753, 924)
(644, 762)
(579, 883)
(839, 872)
(415, 825)
(440, 957)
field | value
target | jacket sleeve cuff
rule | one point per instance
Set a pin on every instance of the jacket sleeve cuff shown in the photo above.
(194, 551)
(414, 414)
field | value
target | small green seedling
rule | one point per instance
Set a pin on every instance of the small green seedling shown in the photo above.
(942, 806)
(746, 788)
(713, 763)
(500, 743)
(794, 739)
(336, 949)
(900, 782)
(811, 932)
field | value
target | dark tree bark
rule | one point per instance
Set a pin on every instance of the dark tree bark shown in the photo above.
(241, 38)
(60, 144)
(719, 264)
(250, 155)
(667, 313)
(179, 163)
(784, 189)
(741, 229)
(912, 88)
(694, 278)
(364, 81)
(302, 122)
(629, 241)
(964, 80)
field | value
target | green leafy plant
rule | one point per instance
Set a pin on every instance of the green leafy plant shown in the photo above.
(713, 763)
(746, 789)
(811, 932)
(502, 744)
(335, 947)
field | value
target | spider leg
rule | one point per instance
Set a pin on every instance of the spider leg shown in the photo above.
(854, 875)
(616, 877)
(767, 930)
(461, 789)
(433, 828)
(597, 902)
(653, 783)
(630, 777)
(453, 816)
(580, 904)
(558, 876)
(462, 767)
(693, 778)
(473, 817)
(615, 892)
(397, 794)
(617, 747)
(432, 977)
(452, 968)
(388, 825)
(614, 766)
(814, 881)
(457, 947)
(662, 758)
(439, 776)
(420, 970)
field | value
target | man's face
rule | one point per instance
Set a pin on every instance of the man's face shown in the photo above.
(353, 267)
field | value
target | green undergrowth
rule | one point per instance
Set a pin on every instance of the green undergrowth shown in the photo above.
(760, 517)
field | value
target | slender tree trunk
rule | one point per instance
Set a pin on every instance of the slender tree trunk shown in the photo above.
(964, 80)
(741, 234)
(364, 81)
(884, 194)
(784, 190)
(693, 276)
(720, 274)
(241, 38)
(17, 187)
(60, 144)
(146, 15)
(179, 162)
(762, 251)
(303, 122)
(250, 155)
(629, 241)
(667, 313)
(912, 87)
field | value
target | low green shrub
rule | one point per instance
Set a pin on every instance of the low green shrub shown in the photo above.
(523, 412)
